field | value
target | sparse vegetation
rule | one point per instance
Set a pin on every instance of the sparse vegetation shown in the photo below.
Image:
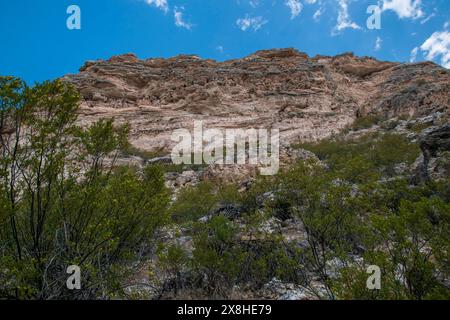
(419, 127)
(63, 201)
(367, 156)
(130, 150)
(352, 218)
(366, 122)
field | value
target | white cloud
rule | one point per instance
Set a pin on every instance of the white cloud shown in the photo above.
(317, 14)
(179, 21)
(431, 16)
(319, 11)
(344, 20)
(254, 3)
(438, 47)
(378, 43)
(414, 53)
(160, 4)
(295, 6)
(220, 49)
(250, 22)
(404, 8)
(447, 24)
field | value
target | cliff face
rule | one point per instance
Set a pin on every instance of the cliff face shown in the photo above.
(306, 98)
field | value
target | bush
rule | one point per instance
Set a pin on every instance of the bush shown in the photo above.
(193, 202)
(384, 222)
(411, 248)
(366, 122)
(216, 258)
(61, 204)
(130, 150)
(366, 157)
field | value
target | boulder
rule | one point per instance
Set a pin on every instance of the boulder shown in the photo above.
(434, 163)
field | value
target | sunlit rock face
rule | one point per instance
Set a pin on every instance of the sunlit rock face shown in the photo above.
(306, 98)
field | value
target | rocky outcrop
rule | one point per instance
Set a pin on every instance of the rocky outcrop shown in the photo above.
(177, 180)
(278, 290)
(435, 140)
(307, 98)
(434, 163)
(412, 90)
(359, 67)
(229, 210)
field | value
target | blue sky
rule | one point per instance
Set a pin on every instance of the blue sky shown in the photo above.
(36, 44)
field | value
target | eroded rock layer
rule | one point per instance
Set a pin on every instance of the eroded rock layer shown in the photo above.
(307, 98)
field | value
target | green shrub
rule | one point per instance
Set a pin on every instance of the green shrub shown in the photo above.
(366, 157)
(61, 204)
(216, 257)
(130, 150)
(366, 122)
(411, 248)
(193, 202)
(394, 149)
(418, 127)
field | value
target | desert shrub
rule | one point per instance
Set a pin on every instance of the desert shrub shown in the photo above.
(418, 127)
(367, 157)
(173, 260)
(366, 122)
(62, 203)
(228, 254)
(390, 223)
(327, 211)
(393, 149)
(347, 211)
(348, 224)
(411, 247)
(216, 257)
(324, 148)
(193, 202)
(419, 232)
(130, 150)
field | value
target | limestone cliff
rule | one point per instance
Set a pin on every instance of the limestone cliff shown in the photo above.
(307, 98)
